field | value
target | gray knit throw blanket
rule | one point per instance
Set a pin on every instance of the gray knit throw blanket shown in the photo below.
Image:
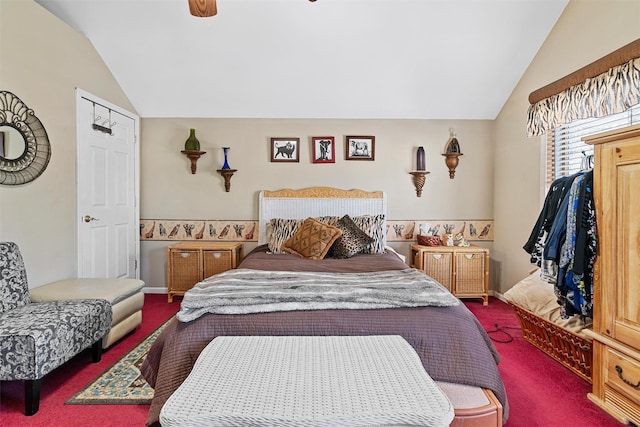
(244, 291)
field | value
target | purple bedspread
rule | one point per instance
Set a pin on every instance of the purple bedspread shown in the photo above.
(450, 341)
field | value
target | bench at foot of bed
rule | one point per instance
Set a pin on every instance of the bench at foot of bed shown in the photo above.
(305, 380)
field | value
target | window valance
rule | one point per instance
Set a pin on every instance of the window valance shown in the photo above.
(609, 85)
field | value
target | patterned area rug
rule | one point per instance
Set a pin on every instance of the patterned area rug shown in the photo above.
(122, 383)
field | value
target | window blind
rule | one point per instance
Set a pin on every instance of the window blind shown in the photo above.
(565, 148)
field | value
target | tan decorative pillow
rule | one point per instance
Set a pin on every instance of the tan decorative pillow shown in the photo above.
(312, 240)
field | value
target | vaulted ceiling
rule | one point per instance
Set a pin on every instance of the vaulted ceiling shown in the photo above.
(414, 59)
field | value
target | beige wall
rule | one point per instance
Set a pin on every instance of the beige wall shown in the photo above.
(52, 59)
(586, 31)
(42, 61)
(170, 191)
(498, 177)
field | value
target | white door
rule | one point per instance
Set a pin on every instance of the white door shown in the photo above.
(107, 189)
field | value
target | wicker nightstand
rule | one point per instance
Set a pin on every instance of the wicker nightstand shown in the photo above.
(191, 262)
(462, 270)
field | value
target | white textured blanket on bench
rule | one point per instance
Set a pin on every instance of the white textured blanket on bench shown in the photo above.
(245, 291)
(308, 381)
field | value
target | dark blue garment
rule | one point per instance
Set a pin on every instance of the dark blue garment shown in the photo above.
(556, 237)
(573, 294)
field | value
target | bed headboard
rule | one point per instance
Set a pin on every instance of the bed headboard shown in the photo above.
(317, 201)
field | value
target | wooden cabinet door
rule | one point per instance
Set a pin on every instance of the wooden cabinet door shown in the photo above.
(186, 269)
(439, 265)
(216, 262)
(469, 273)
(619, 237)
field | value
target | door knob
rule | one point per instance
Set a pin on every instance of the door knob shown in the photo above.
(89, 218)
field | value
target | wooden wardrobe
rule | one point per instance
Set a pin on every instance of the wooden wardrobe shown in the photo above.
(616, 308)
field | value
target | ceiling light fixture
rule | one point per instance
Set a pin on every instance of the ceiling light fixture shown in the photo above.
(203, 8)
(206, 8)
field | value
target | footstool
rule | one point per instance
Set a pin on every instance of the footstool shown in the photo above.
(125, 295)
(308, 380)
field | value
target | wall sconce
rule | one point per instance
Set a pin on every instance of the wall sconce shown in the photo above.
(452, 153)
(420, 174)
(226, 171)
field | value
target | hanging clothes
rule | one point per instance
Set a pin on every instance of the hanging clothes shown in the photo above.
(535, 244)
(586, 248)
(563, 242)
(549, 267)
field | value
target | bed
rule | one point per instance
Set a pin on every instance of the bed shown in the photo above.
(452, 345)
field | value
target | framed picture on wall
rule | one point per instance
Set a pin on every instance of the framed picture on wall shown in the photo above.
(285, 149)
(323, 149)
(360, 147)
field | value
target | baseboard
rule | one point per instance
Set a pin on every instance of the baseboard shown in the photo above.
(498, 295)
(154, 290)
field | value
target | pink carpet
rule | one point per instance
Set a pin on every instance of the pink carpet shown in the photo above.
(66, 381)
(541, 392)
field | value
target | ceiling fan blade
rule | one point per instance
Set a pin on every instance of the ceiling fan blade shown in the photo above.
(203, 8)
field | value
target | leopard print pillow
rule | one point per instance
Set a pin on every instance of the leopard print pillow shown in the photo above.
(352, 241)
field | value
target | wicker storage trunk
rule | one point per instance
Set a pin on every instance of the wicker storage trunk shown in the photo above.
(568, 348)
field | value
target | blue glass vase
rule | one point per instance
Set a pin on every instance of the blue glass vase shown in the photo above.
(226, 164)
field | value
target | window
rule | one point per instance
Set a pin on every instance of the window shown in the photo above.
(565, 149)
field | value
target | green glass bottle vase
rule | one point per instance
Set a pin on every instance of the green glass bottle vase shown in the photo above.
(192, 143)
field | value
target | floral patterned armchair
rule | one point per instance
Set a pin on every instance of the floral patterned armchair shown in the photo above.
(36, 338)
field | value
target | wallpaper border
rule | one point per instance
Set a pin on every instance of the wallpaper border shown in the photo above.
(247, 231)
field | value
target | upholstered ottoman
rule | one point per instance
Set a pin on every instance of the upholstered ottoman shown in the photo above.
(308, 380)
(125, 295)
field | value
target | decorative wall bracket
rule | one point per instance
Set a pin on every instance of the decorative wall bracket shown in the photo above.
(193, 156)
(227, 174)
(419, 178)
(452, 153)
(451, 160)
